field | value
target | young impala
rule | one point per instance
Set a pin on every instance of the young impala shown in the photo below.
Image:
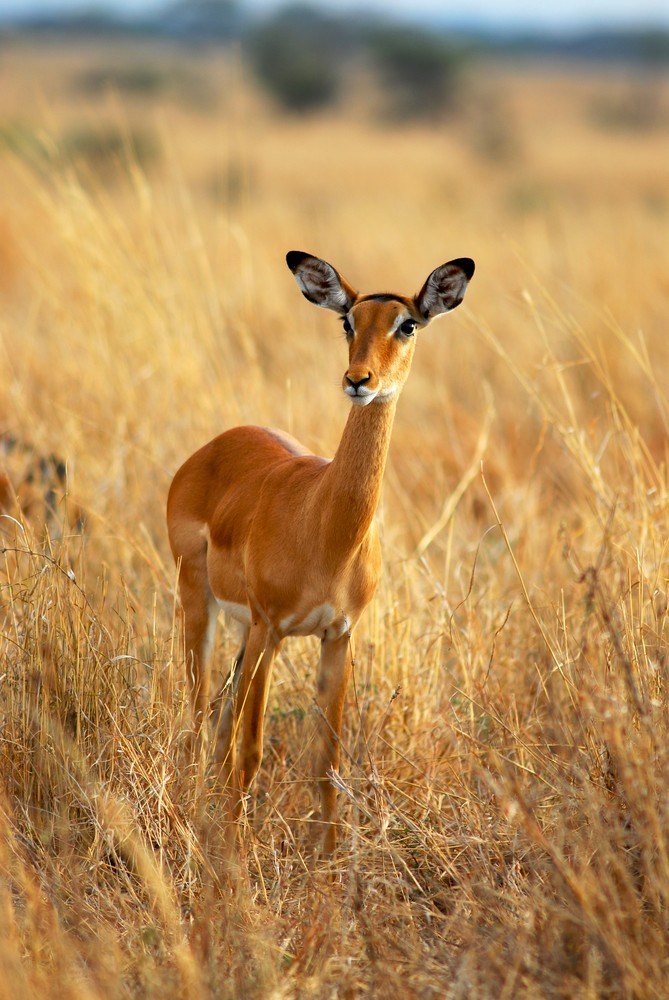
(285, 542)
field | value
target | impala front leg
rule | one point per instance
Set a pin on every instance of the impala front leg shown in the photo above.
(333, 676)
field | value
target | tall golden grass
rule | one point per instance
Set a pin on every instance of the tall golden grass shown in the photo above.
(505, 768)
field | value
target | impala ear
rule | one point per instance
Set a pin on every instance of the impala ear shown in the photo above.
(445, 288)
(320, 283)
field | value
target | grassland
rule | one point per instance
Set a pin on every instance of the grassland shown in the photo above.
(506, 763)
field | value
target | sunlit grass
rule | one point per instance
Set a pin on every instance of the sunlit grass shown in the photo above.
(504, 765)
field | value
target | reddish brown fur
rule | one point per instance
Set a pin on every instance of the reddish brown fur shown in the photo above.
(260, 523)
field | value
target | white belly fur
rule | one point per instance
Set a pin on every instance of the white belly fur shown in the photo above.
(323, 621)
(240, 612)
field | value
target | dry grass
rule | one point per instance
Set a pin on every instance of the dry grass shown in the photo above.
(503, 790)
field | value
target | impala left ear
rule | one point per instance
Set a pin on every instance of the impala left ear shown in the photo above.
(445, 288)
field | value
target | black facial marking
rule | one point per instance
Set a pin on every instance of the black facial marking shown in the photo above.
(381, 297)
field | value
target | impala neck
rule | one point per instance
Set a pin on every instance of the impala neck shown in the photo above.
(351, 485)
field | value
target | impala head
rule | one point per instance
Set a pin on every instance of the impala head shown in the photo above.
(379, 327)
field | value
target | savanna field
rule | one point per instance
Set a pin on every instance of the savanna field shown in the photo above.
(505, 755)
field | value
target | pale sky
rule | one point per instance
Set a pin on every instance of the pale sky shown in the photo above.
(558, 14)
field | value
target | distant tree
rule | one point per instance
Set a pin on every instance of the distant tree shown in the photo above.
(203, 20)
(653, 48)
(420, 72)
(297, 55)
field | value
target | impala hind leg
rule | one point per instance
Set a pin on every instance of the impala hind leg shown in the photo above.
(333, 677)
(200, 612)
(248, 715)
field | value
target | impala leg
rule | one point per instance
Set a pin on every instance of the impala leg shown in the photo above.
(249, 712)
(333, 676)
(223, 714)
(200, 612)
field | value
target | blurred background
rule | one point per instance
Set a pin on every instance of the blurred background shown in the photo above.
(407, 60)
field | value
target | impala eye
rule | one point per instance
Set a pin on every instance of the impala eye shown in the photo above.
(348, 329)
(408, 327)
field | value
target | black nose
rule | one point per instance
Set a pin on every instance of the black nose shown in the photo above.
(355, 384)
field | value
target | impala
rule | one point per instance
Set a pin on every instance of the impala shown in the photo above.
(285, 542)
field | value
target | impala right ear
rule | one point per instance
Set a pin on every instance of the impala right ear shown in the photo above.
(320, 283)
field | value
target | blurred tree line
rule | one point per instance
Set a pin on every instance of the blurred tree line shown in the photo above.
(301, 55)
(306, 58)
